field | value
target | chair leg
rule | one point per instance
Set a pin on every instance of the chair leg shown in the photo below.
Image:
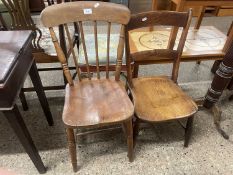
(72, 148)
(23, 100)
(128, 127)
(188, 131)
(135, 131)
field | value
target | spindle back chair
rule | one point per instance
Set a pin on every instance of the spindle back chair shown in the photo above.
(159, 98)
(92, 102)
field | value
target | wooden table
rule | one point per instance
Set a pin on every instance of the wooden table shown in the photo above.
(180, 4)
(203, 44)
(206, 43)
(16, 62)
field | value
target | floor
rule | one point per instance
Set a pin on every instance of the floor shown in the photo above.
(159, 149)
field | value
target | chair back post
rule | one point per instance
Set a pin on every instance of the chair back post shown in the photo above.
(80, 12)
(61, 57)
(158, 18)
(128, 57)
(180, 47)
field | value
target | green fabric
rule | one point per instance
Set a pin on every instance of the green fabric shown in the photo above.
(2, 7)
(6, 16)
(102, 49)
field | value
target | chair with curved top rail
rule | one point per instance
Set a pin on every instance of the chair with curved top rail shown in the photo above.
(159, 98)
(92, 102)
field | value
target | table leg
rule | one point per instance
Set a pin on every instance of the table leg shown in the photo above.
(40, 93)
(16, 121)
(23, 100)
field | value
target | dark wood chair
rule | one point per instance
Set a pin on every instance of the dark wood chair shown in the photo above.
(92, 102)
(159, 98)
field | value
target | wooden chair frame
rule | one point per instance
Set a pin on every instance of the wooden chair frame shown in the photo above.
(75, 13)
(175, 19)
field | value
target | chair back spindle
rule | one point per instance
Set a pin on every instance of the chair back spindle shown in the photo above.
(108, 47)
(84, 48)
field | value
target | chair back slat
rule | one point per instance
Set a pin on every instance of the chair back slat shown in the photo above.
(156, 54)
(61, 57)
(21, 20)
(84, 49)
(96, 50)
(108, 47)
(158, 19)
(73, 52)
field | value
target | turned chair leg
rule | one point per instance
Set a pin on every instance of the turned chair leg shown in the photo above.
(72, 148)
(135, 131)
(188, 131)
(128, 127)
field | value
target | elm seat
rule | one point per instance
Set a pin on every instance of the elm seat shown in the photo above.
(159, 99)
(96, 102)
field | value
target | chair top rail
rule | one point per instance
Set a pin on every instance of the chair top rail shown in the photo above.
(84, 11)
(153, 18)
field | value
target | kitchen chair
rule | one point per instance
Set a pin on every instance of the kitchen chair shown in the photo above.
(159, 98)
(92, 102)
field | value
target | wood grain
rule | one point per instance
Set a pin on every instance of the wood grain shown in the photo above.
(159, 99)
(96, 102)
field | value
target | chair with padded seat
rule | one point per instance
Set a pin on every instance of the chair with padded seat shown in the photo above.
(92, 102)
(159, 98)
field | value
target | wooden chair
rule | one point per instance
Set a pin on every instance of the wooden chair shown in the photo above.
(159, 98)
(92, 102)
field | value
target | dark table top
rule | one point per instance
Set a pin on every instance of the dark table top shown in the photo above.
(11, 44)
(15, 62)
